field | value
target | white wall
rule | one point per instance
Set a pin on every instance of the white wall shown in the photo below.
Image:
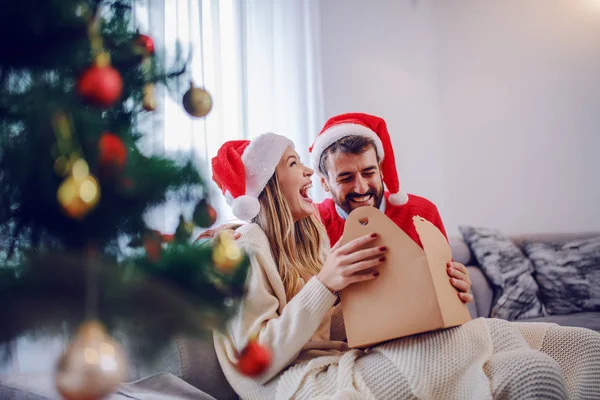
(493, 106)
(378, 58)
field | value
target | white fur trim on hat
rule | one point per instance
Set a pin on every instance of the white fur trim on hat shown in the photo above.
(245, 207)
(335, 133)
(398, 199)
(260, 159)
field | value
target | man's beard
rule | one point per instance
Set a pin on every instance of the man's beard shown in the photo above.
(346, 204)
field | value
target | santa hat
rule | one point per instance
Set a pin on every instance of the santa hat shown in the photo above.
(242, 169)
(369, 126)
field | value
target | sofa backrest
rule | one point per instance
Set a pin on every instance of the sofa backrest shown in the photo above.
(462, 254)
(481, 288)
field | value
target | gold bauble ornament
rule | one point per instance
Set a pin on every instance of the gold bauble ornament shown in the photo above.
(92, 366)
(148, 102)
(79, 193)
(184, 230)
(197, 102)
(226, 254)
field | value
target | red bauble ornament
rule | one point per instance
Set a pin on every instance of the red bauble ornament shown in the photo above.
(145, 42)
(153, 245)
(167, 238)
(204, 214)
(112, 150)
(127, 183)
(254, 359)
(101, 85)
(153, 249)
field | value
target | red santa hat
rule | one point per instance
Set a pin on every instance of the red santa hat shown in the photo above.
(242, 169)
(369, 126)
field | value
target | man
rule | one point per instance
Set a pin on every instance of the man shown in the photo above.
(354, 157)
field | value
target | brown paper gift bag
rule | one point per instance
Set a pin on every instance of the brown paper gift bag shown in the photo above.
(412, 294)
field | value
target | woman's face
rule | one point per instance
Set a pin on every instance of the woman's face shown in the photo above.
(294, 182)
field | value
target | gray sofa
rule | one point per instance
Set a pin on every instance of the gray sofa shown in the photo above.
(28, 374)
(483, 292)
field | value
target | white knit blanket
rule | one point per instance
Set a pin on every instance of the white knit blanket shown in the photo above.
(483, 359)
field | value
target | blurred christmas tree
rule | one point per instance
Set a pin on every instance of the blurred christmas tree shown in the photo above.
(74, 76)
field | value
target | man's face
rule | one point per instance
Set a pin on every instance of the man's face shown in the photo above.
(354, 180)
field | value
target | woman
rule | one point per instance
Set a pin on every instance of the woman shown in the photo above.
(291, 293)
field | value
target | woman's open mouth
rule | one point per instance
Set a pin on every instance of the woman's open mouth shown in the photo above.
(304, 192)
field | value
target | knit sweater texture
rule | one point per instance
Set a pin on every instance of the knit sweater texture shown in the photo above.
(483, 359)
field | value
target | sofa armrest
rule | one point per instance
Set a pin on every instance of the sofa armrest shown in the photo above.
(28, 371)
(460, 251)
(482, 291)
(38, 354)
(200, 368)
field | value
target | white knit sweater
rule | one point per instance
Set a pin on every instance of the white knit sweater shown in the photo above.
(484, 358)
(295, 331)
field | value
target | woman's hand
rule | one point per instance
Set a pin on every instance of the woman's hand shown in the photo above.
(347, 264)
(459, 278)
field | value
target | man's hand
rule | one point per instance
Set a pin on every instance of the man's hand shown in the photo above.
(459, 278)
(211, 233)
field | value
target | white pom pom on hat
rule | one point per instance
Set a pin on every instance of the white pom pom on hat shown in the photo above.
(245, 207)
(398, 199)
(242, 169)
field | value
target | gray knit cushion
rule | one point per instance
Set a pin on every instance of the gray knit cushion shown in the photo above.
(509, 271)
(568, 274)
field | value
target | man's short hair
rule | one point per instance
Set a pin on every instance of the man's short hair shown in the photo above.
(353, 144)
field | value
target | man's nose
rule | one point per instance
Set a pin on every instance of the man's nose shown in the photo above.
(361, 185)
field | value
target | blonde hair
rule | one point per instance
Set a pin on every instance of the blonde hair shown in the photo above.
(295, 246)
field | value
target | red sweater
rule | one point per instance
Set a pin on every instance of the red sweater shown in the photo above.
(401, 215)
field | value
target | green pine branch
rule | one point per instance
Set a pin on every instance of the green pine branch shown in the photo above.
(45, 257)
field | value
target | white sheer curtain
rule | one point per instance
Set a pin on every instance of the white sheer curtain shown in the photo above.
(259, 60)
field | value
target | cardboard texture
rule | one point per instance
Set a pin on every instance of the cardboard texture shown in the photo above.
(412, 294)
